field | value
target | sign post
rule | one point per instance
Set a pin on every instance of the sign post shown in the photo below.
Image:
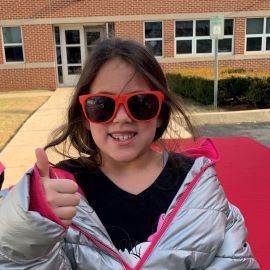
(216, 33)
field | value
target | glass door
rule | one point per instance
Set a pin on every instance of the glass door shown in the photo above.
(73, 55)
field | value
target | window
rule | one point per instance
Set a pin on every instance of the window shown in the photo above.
(203, 42)
(58, 54)
(153, 37)
(13, 46)
(258, 35)
(192, 37)
(92, 36)
(73, 51)
(225, 45)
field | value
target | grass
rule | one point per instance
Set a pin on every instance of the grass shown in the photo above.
(14, 111)
(224, 72)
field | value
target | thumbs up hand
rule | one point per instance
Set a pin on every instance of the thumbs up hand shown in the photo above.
(60, 194)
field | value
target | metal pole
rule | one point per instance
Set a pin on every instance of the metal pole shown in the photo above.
(107, 30)
(216, 74)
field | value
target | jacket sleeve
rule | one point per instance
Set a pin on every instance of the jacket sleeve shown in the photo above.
(235, 252)
(28, 239)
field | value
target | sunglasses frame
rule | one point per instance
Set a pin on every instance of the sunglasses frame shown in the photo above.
(121, 99)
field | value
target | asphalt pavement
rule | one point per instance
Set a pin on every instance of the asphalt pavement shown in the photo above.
(259, 131)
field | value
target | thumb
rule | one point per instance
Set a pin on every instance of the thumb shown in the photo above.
(42, 163)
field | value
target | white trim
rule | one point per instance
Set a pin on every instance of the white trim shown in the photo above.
(12, 45)
(28, 65)
(107, 29)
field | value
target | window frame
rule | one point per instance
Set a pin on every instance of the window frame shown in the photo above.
(58, 46)
(263, 36)
(12, 45)
(149, 39)
(195, 38)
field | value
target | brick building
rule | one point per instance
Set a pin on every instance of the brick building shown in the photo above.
(43, 43)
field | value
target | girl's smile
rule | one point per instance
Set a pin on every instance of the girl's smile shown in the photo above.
(123, 137)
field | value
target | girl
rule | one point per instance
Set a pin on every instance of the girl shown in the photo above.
(122, 204)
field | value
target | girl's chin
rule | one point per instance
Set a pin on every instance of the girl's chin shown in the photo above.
(123, 157)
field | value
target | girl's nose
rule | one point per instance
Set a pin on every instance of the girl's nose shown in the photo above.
(121, 115)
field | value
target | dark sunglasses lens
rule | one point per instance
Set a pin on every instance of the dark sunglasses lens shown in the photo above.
(99, 109)
(143, 107)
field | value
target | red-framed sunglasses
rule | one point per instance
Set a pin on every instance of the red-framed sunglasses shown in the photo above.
(140, 106)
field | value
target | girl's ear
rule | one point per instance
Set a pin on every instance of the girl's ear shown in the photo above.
(159, 122)
(86, 124)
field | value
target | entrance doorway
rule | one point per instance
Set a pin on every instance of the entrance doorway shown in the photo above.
(76, 42)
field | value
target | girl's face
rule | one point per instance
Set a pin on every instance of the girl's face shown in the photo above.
(122, 140)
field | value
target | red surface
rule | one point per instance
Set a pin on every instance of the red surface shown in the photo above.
(244, 172)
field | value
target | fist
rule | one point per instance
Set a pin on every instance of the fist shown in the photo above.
(60, 194)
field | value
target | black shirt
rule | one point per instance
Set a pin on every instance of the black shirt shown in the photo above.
(130, 219)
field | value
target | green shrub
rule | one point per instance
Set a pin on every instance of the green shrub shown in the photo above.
(259, 92)
(196, 88)
(232, 90)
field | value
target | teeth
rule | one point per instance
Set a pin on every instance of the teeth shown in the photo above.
(122, 137)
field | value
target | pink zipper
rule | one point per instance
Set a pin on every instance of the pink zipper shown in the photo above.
(169, 219)
(103, 246)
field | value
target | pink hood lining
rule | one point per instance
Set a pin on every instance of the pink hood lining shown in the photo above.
(205, 149)
(2, 168)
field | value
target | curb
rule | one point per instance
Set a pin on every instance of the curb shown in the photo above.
(234, 117)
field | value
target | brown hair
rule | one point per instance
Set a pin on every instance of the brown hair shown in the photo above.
(74, 133)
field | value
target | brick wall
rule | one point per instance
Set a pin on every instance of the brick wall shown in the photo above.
(20, 79)
(130, 29)
(168, 34)
(38, 43)
(22, 9)
(239, 35)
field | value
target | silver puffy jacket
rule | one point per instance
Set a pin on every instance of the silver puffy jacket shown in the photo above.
(202, 230)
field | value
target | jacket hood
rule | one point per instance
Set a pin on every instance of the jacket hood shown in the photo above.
(205, 149)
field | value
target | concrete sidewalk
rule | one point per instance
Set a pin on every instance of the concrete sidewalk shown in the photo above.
(19, 155)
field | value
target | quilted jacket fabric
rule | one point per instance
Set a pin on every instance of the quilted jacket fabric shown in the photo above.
(201, 230)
